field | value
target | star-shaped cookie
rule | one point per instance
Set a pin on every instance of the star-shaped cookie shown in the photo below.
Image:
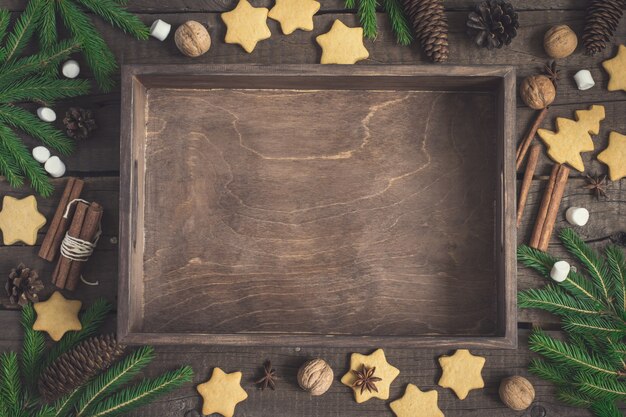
(384, 371)
(616, 67)
(615, 156)
(342, 44)
(57, 316)
(461, 372)
(415, 403)
(294, 14)
(20, 220)
(573, 137)
(222, 393)
(246, 25)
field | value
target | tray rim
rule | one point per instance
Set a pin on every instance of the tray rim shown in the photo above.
(128, 306)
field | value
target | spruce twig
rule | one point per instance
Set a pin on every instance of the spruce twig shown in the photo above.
(33, 348)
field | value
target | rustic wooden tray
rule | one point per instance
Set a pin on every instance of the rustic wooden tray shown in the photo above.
(318, 205)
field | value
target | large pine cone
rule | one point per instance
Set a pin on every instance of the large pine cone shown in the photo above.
(22, 286)
(79, 123)
(493, 24)
(77, 366)
(603, 16)
(430, 26)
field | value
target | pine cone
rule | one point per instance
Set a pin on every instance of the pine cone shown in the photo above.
(77, 366)
(493, 24)
(23, 285)
(603, 16)
(79, 123)
(430, 26)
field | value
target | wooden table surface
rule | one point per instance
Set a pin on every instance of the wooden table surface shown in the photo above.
(97, 160)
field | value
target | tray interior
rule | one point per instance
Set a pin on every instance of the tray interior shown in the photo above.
(324, 207)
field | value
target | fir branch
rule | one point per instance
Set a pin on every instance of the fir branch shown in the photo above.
(599, 387)
(44, 411)
(399, 24)
(569, 355)
(33, 347)
(91, 321)
(9, 168)
(367, 15)
(617, 275)
(42, 89)
(549, 371)
(555, 300)
(141, 393)
(590, 259)
(116, 15)
(113, 378)
(10, 392)
(572, 396)
(350, 4)
(11, 144)
(594, 326)
(22, 32)
(606, 409)
(97, 54)
(47, 29)
(5, 18)
(64, 405)
(31, 125)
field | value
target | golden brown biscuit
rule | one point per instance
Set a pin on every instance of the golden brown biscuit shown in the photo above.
(615, 156)
(20, 220)
(294, 14)
(384, 371)
(57, 316)
(222, 393)
(342, 45)
(461, 372)
(616, 67)
(246, 25)
(415, 403)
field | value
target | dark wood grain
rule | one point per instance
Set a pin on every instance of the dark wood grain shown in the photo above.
(318, 204)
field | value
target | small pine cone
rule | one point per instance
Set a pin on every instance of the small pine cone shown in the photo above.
(77, 366)
(493, 24)
(22, 286)
(602, 19)
(430, 26)
(79, 123)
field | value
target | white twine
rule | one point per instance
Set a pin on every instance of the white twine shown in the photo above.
(76, 249)
(69, 206)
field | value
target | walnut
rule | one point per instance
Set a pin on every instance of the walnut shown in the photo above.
(537, 91)
(560, 41)
(315, 376)
(517, 393)
(192, 38)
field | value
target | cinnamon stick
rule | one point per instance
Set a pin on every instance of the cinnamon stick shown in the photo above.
(549, 208)
(531, 165)
(543, 208)
(553, 209)
(59, 277)
(58, 226)
(91, 226)
(525, 144)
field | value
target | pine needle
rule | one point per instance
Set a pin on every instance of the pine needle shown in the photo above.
(10, 392)
(606, 409)
(549, 371)
(5, 18)
(47, 29)
(33, 347)
(399, 24)
(574, 397)
(116, 15)
(21, 33)
(114, 377)
(555, 300)
(617, 268)
(601, 388)
(598, 326)
(141, 393)
(367, 15)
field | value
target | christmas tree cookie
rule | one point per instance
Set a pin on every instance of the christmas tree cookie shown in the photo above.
(20, 220)
(342, 45)
(368, 370)
(294, 14)
(222, 393)
(615, 156)
(461, 372)
(246, 25)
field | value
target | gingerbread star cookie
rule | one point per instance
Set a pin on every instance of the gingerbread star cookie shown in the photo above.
(57, 316)
(615, 156)
(616, 67)
(246, 25)
(461, 372)
(415, 402)
(20, 220)
(294, 14)
(222, 393)
(384, 371)
(342, 45)
(573, 137)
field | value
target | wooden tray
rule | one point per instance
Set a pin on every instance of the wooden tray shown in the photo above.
(318, 205)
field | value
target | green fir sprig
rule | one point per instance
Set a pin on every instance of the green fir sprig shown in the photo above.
(112, 393)
(367, 12)
(589, 366)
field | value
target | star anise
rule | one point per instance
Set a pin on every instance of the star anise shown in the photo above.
(551, 72)
(269, 377)
(365, 379)
(597, 184)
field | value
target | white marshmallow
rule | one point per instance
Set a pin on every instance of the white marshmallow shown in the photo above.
(41, 154)
(55, 167)
(578, 216)
(71, 69)
(46, 114)
(160, 29)
(559, 271)
(584, 80)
